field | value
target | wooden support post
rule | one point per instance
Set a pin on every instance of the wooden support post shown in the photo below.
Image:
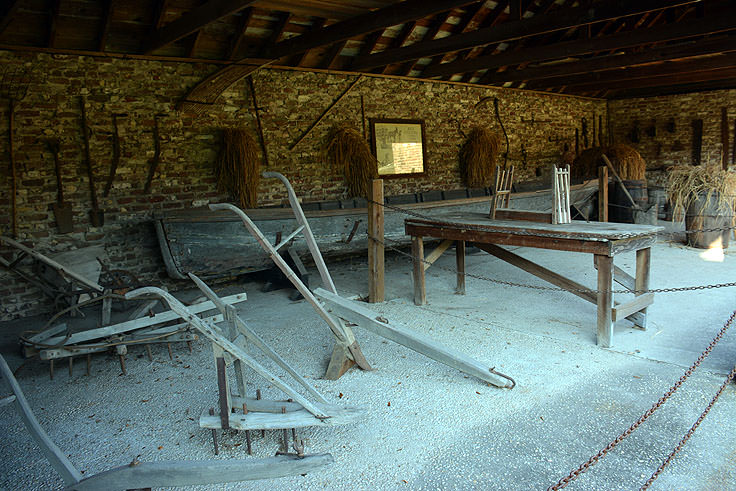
(460, 262)
(603, 194)
(376, 287)
(643, 257)
(417, 252)
(605, 300)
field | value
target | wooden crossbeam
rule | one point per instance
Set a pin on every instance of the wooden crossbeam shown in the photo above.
(709, 25)
(509, 31)
(670, 80)
(193, 21)
(245, 16)
(105, 25)
(624, 310)
(618, 60)
(652, 71)
(8, 14)
(391, 15)
(435, 254)
(53, 23)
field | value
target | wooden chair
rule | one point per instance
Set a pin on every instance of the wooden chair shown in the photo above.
(561, 194)
(501, 190)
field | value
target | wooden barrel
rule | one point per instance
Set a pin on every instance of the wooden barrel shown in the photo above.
(704, 213)
(619, 207)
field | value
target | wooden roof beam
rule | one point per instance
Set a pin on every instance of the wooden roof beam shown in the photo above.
(193, 21)
(724, 21)
(509, 31)
(8, 14)
(391, 15)
(700, 47)
(245, 18)
(105, 27)
(669, 68)
(669, 80)
(54, 22)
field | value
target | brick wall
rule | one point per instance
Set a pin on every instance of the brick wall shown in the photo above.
(668, 147)
(538, 125)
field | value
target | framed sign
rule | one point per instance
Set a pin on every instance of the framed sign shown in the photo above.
(398, 145)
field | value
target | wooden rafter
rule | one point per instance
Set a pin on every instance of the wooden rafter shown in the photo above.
(193, 21)
(298, 59)
(8, 14)
(399, 40)
(509, 31)
(432, 31)
(725, 21)
(388, 16)
(332, 53)
(54, 22)
(278, 29)
(245, 16)
(619, 60)
(105, 25)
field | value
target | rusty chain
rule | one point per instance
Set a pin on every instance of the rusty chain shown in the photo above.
(594, 459)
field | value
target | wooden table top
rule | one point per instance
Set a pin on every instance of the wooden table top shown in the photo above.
(577, 229)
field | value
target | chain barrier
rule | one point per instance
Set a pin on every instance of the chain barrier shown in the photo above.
(385, 244)
(594, 459)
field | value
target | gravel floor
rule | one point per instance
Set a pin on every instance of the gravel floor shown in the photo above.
(426, 426)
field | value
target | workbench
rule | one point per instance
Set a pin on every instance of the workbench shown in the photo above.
(602, 239)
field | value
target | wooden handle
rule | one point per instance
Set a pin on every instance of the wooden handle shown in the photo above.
(88, 160)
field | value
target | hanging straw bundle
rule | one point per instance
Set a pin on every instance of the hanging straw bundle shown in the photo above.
(628, 163)
(348, 151)
(478, 157)
(238, 170)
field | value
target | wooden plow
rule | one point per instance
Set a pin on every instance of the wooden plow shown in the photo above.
(347, 352)
(142, 327)
(139, 475)
(230, 346)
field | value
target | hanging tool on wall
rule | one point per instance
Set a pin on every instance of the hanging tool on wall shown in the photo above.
(505, 135)
(584, 126)
(62, 210)
(115, 152)
(97, 216)
(600, 131)
(257, 112)
(697, 125)
(156, 159)
(13, 172)
(326, 112)
(577, 142)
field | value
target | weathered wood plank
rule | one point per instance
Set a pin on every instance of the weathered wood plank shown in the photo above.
(436, 253)
(190, 473)
(538, 271)
(141, 322)
(417, 253)
(624, 310)
(643, 266)
(55, 353)
(376, 252)
(300, 418)
(413, 340)
(525, 215)
(605, 301)
(460, 266)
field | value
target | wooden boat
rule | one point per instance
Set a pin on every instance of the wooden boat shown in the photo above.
(215, 244)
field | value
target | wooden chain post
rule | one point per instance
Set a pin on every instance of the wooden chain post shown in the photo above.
(375, 247)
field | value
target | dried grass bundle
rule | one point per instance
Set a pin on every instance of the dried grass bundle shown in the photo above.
(478, 157)
(686, 184)
(628, 163)
(347, 151)
(238, 170)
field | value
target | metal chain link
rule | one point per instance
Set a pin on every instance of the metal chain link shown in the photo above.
(594, 459)
(687, 436)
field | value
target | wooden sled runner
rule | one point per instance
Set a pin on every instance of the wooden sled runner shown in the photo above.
(346, 350)
(154, 474)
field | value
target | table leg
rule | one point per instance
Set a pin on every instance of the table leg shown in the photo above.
(642, 280)
(417, 253)
(605, 300)
(460, 262)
